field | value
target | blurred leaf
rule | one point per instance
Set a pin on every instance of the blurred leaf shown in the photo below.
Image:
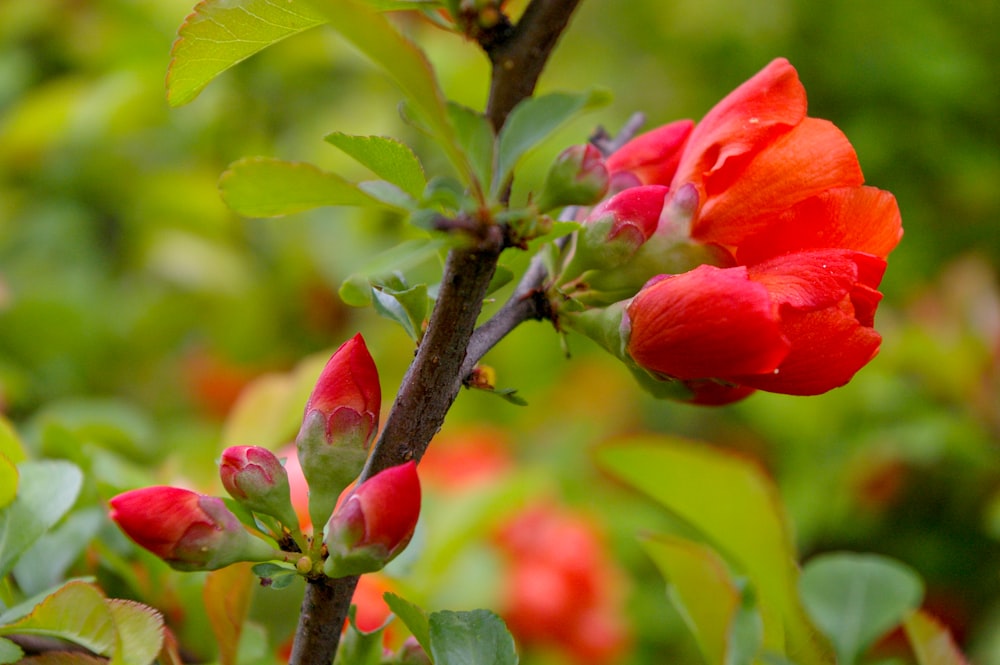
(501, 277)
(359, 647)
(47, 491)
(931, 642)
(735, 505)
(9, 652)
(8, 481)
(856, 598)
(139, 631)
(280, 576)
(129, 633)
(532, 121)
(45, 563)
(701, 588)
(478, 637)
(64, 658)
(387, 158)
(356, 291)
(222, 33)
(113, 424)
(389, 194)
(265, 187)
(406, 64)
(412, 616)
(227, 602)
(10, 443)
(407, 308)
(475, 134)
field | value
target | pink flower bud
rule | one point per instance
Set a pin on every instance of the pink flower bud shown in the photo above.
(255, 477)
(187, 530)
(374, 523)
(341, 419)
(578, 177)
(616, 229)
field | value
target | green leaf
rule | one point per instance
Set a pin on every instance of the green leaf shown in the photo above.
(856, 598)
(223, 33)
(406, 64)
(931, 642)
(501, 277)
(532, 121)
(10, 444)
(408, 308)
(387, 158)
(265, 187)
(8, 481)
(45, 563)
(358, 647)
(389, 194)
(478, 637)
(9, 652)
(475, 135)
(729, 500)
(76, 612)
(139, 631)
(48, 489)
(356, 291)
(412, 616)
(702, 589)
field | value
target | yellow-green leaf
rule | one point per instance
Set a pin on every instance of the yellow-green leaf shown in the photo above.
(10, 442)
(387, 158)
(221, 33)
(76, 612)
(8, 481)
(139, 631)
(264, 187)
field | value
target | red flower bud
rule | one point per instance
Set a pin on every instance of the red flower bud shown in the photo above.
(255, 477)
(341, 419)
(578, 177)
(374, 523)
(187, 530)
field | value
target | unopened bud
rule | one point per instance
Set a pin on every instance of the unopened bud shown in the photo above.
(578, 177)
(255, 477)
(374, 523)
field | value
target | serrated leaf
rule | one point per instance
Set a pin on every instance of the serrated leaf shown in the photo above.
(478, 637)
(702, 589)
(9, 652)
(732, 502)
(10, 443)
(139, 631)
(8, 481)
(227, 601)
(406, 64)
(265, 187)
(223, 33)
(475, 135)
(931, 641)
(76, 612)
(856, 598)
(387, 158)
(412, 616)
(532, 121)
(63, 658)
(47, 490)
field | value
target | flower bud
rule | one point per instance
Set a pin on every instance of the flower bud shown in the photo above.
(341, 419)
(189, 531)
(578, 177)
(374, 523)
(255, 477)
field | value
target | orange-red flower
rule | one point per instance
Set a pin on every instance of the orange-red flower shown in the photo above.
(802, 244)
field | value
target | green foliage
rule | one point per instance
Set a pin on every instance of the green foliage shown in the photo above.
(387, 158)
(478, 637)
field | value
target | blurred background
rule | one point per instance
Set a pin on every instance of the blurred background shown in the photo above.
(135, 309)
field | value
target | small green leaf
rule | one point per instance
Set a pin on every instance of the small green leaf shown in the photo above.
(389, 194)
(9, 652)
(358, 647)
(356, 291)
(532, 121)
(8, 481)
(510, 395)
(139, 630)
(931, 642)
(407, 308)
(856, 598)
(223, 33)
(387, 158)
(412, 616)
(478, 637)
(400, 58)
(76, 612)
(475, 135)
(265, 187)
(48, 489)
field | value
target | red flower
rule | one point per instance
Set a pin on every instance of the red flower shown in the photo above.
(803, 245)
(187, 530)
(347, 393)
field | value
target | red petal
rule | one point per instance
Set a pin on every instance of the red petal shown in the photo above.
(812, 158)
(709, 322)
(808, 280)
(653, 156)
(158, 517)
(745, 121)
(864, 219)
(828, 347)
